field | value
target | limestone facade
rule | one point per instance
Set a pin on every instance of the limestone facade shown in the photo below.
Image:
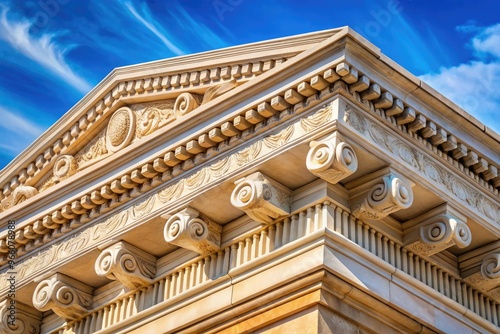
(301, 185)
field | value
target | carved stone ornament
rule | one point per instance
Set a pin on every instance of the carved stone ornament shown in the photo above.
(487, 276)
(386, 194)
(17, 318)
(437, 233)
(120, 130)
(127, 264)
(262, 198)
(191, 230)
(331, 159)
(67, 297)
(22, 193)
(185, 103)
(64, 167)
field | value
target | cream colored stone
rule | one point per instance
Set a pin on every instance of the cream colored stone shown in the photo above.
(437, 230)
(67, 297)
(262, 198)
(331, 159)
(128, 264)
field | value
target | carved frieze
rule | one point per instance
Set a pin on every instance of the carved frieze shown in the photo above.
(423, 164)
(67, 297)
(331, 159)
(437, 230)
(379, 194)
(261, 198)
(191, 230)
(127, 264)
(18, 318)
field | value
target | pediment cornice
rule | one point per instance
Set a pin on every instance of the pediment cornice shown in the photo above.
(151, 81)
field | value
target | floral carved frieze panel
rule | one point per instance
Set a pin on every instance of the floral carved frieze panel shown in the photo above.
(183, 186)
(423, 165)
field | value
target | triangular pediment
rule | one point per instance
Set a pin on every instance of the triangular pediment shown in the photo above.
(132, 103)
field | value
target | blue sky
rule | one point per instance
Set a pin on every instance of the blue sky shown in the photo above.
(52, 52)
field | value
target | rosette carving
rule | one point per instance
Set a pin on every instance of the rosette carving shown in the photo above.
(191, 230)
(64, 167)
(332, 160)
(17, 318)
(121, 129)
(67, 297)
(185, 103)
(127, 264)
(261, 198)
(390, 193)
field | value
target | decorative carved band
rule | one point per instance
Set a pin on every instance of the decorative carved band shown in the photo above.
(191, 230)
(262, 198)
(390, 193)
(126, 263)
(331, 159)
(438, 233)
(67, 297)
(17, 318)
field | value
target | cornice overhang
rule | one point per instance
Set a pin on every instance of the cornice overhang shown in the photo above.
(281, 47)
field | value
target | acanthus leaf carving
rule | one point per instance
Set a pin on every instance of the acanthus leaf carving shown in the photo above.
(261, 198)
(191, 230)
(152, 116)
(130, 265)
(381, 196)
(216, 91)
(331, 159)
(67, 297)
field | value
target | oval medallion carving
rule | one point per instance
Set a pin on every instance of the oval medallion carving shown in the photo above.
(120, 130)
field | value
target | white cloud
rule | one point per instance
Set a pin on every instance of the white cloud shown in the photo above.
(148, 21)
(473, 85)
(17, 133)
(17, 124)
(42, 50)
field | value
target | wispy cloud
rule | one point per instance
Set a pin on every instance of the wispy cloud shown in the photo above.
(42, 50)
(194, 26)
(473, 85)
(17, 132)
(146, 19)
